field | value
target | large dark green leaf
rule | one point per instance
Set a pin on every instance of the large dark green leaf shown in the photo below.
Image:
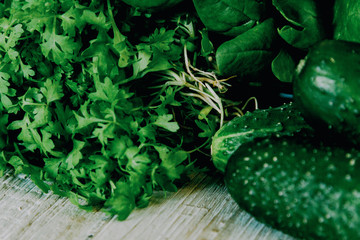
(248, 52)
(304, 27)
(152, 4)
(230, 17)
(347, 20)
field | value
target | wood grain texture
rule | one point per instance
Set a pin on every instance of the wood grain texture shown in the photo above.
(201, 210)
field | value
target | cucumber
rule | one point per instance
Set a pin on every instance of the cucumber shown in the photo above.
(299, 185)
(283, 120)
(326, 88)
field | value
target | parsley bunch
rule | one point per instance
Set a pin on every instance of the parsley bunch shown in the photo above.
(95, 102)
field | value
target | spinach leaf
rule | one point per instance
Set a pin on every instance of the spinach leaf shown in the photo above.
(283, 66)
(249, 52)
(230, 17)
(304, 27)
(152, 5)
(347, 20)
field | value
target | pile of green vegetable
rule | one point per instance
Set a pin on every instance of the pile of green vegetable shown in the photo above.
(95, 101)
(296, 167)
(107, 101)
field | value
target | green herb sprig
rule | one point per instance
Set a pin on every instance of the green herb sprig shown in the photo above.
(81, 110)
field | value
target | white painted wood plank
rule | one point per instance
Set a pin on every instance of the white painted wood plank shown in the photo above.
(201, 210)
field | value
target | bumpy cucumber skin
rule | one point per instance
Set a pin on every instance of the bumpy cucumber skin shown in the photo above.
(283, 120)
(326, 88)
(298, 185)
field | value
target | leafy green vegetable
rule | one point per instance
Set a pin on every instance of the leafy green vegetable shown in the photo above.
(346, 20)
(249, 52)
(305, 27)
(230, 17)
(283, 66)
(85, 111)
(152, 4)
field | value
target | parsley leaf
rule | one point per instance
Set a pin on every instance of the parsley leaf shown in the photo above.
(84, 110)
(164, 121)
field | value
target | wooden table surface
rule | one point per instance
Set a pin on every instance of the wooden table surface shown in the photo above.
(201, 210)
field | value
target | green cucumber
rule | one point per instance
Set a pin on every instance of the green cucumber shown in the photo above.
(299, 185)
(283, 120)
(326, 88)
